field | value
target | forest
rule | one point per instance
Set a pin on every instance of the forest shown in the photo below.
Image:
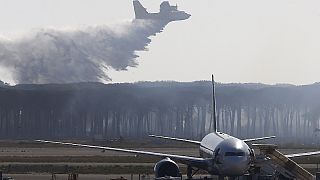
(180, 109)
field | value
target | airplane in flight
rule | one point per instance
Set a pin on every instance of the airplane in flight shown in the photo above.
(167, 12)
(220, 154)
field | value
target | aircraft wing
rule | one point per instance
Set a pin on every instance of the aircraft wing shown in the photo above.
(193, 161)
(258, 139)
(176, 139)
(303, 154)
(272, 147)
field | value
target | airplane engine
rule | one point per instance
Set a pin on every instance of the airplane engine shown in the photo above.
(165, 168)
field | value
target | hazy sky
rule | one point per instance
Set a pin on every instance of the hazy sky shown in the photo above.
(270, 41)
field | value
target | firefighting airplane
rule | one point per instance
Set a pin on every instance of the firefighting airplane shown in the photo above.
(220, 153)
(167, 12)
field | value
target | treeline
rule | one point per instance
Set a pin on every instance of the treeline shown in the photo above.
(109, 111)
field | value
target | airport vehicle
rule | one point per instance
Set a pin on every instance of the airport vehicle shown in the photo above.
(220, 153)
(167, 12)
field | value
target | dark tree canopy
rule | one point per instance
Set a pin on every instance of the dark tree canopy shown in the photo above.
(107, 111)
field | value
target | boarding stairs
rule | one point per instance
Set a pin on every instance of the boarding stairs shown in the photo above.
(271, 158)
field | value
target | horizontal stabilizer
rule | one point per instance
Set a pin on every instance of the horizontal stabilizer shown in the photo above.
(258, 139)
(176, 139)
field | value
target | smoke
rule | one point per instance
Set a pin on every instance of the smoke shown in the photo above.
(81, 55)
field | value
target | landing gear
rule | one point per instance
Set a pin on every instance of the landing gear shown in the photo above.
(191, 172)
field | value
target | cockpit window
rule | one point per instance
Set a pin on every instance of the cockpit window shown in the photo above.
(234, 154)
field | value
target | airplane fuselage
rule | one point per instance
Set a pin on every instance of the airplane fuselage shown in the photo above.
(231, 156)
(172, 16)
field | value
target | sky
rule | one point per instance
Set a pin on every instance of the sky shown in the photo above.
(238, 41)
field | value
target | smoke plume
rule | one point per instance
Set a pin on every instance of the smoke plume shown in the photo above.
(82, 55)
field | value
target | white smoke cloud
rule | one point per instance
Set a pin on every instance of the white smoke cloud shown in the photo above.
(64, 56)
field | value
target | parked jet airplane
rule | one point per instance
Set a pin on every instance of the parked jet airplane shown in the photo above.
(220, 153)
(167, 12)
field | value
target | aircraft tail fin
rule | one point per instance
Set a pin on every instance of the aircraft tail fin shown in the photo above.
(214, 113)
(139, 10)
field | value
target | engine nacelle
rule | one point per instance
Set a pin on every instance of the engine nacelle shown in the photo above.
(166, 168)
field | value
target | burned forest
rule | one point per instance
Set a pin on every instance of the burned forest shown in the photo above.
(110, 111)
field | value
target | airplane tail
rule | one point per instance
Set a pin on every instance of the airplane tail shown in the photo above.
(139, 10)
(214, 113)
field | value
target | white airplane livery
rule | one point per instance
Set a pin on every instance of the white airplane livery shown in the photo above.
(220, 154)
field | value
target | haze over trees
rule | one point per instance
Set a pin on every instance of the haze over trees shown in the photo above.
(109, 111)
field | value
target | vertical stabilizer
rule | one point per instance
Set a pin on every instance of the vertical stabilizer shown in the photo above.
(214, 113)
(140, 11)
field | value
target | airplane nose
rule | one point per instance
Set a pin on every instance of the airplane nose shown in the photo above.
(235, 165)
